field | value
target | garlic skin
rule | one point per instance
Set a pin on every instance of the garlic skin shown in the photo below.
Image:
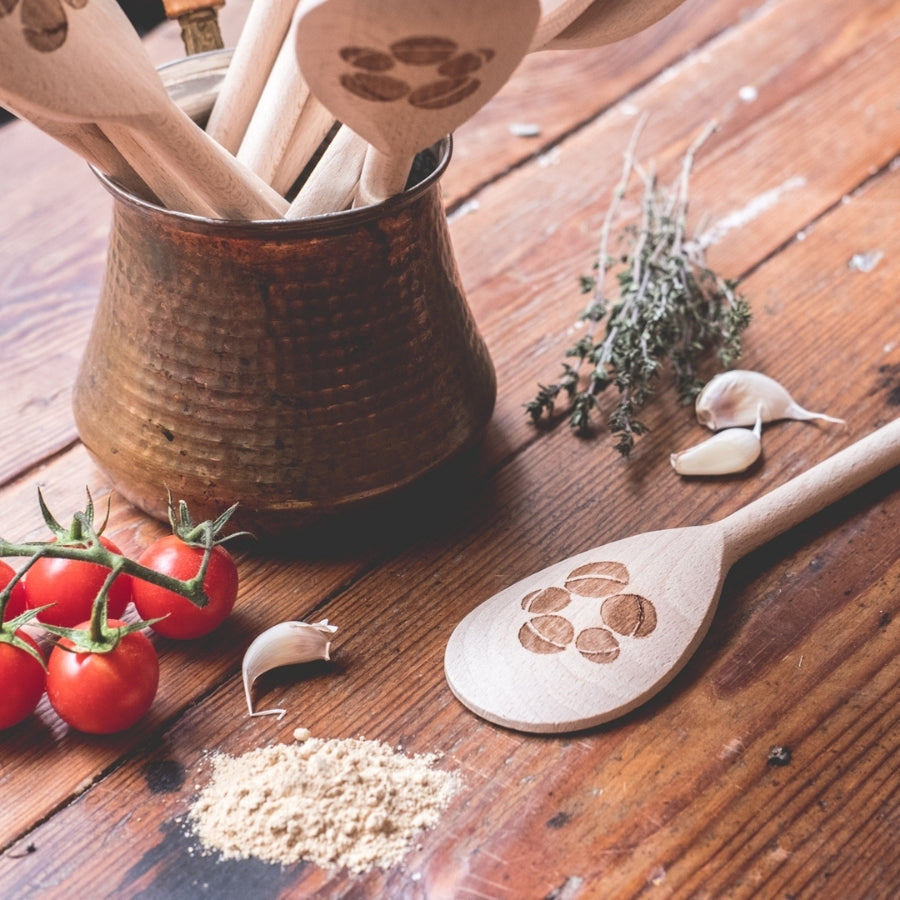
(284, 644)
(731, 399)
(725, 453)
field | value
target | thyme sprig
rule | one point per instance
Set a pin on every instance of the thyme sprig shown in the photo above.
(670, 306)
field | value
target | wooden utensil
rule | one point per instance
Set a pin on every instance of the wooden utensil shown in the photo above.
(555, 16)
(311, 129)
(88, 65)
(607, 21)
(277, 111)
(405, 73)
(332, 184)
(254, 55)
(593, 637)
(94, 147)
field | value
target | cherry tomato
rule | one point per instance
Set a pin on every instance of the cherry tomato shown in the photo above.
(71, 586)
(22, 681)
(101, 693)
(184, 619)
(17, 602)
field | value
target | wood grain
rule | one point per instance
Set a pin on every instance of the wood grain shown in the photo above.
(679, 799)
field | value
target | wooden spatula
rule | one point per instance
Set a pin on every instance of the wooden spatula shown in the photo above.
(593, 637)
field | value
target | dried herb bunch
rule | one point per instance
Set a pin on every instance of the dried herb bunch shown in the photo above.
(670, 306)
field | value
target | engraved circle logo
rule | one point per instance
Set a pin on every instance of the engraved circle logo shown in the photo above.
(384, 76)
(620, 614)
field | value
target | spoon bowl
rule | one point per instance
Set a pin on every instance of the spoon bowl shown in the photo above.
(594, 636)
(607, 21)
(406, 73)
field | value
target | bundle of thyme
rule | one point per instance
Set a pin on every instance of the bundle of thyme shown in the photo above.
(670, 306)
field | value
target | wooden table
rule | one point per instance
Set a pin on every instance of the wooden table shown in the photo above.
(679, 798)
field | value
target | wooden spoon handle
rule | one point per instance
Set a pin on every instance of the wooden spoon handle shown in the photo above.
(257, 47)
(333, 182)
(277, 112)
(555, 19)
(198, 164)
(93, 146)
(383, 175)
(310, 130)
(199, 23)
(807, 494)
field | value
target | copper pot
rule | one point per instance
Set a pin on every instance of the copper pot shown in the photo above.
(294, 367)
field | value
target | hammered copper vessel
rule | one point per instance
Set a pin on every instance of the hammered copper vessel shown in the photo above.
(294, 367)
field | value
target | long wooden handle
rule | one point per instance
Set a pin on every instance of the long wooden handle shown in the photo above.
(257, 48)
(333, 181)
(807, 494)
(277, 111)
(198, 164)
(555, 19)
(383, 175)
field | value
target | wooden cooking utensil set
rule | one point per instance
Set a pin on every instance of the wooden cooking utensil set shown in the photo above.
(362, 86)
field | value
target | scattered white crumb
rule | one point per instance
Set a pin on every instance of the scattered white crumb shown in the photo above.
(525, 129)
(865, 262)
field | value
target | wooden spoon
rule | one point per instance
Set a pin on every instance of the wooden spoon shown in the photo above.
(254, 55)
(95, 148)
(593, 637)
(555, 16)
(88, 65)
(333, 182)
(275, 116)
(607, 21)
(402, 74)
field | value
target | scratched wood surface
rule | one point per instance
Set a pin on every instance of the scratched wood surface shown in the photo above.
(678, 799)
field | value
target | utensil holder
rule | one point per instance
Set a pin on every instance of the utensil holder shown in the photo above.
(298, 368)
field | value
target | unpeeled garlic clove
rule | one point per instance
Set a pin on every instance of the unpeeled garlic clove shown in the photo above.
(725, 453)
(732, 399)
(284, 644)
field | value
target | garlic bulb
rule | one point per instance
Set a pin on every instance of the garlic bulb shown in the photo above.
(732, 399)
(287, 643)
(725, 453)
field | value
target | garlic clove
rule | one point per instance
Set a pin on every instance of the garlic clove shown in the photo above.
(284, 644)
(725, 453)
(731, 399)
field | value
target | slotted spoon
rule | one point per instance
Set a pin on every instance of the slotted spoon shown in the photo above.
(593, 637)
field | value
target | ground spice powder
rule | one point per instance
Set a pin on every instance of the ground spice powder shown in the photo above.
(353, 803)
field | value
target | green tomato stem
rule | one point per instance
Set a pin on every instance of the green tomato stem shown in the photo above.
(94, 552)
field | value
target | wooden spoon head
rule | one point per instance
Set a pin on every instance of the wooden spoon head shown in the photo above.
(402, 74)
(608, 21)
(590, 638)
(76, 62)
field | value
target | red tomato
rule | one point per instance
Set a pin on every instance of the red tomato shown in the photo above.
(22, 681)
(71, 586)
(101, 693)
(17, 602)
(184, 619)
